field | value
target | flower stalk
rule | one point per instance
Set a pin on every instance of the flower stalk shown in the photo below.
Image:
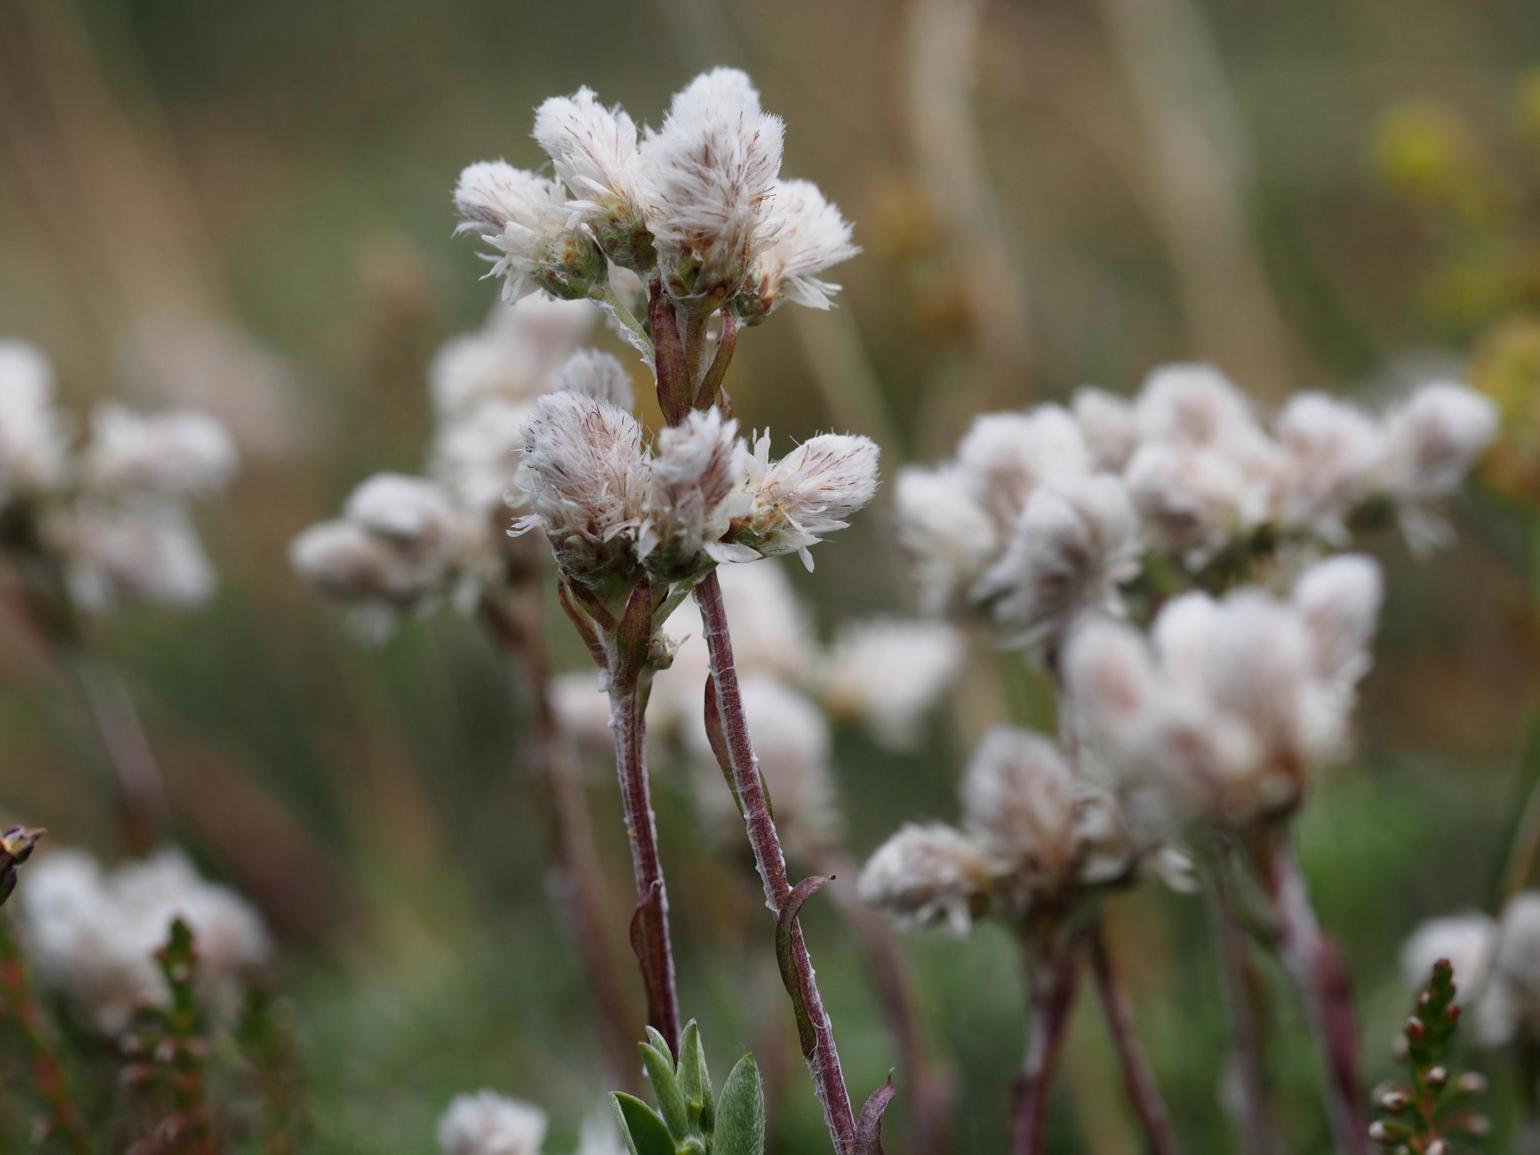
(1053, 979)
(1250, 1110)
(1138, 1079)
(1320, 971)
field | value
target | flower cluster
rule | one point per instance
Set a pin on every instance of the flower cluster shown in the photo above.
(1036, 836)
(92, 934)
(408, 542)
(1496, 960)
(699, 495)
(1043, 515)
(486, 1123)
(1223, 712)
(882, 672)
(697, 204)
(109, 516)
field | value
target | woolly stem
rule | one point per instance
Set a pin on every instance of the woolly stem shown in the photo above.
(649, 930)
(1053, 977)
(930, 1086)
(819, 1049)
(1320, 972)
(1138, 1079)
(1249, 1110)
(577, 879)
(139, 793)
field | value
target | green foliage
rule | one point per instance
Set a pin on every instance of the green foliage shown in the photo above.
(690, 1118)
(1433, 1110)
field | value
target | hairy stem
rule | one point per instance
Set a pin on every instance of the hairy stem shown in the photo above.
(1247, 1074)
(930, 1085)
(577, 879)
(650, 931)
(1138, 1080)
(820, 1052)
(139, 793)
(1053, 977)
(1321, 973)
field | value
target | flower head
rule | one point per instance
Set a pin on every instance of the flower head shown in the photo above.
(798, 500)
(810, 236)
(179, 453)
(696, 491)
(928, 875)
(594, 151)
(526, 221)
(487, 1123)
(1330, 454)
(1433, 439)
(713, 168)
(947, 536)
(34, 445)
(888, 672)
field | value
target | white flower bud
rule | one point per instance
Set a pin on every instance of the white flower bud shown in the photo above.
(476, 455)
(809, 236)
(586, 475)
(1108, 427)
(807, 494)
(927, 875)
(1004, 457)
(487, 1123)
(34, 445)
(945, 533)
(1075, 541)
(594, 152)
(512, 358)
(698, 471)
(178, 453)
(1196, 406)
(118, 557)
(1191, 501)
(598, 375)
(526, 221)
(348, 562)
(1020, 798)
(888, 672)
(1340, 600)
(1434, 438)
(92, 934)
(713, 168)
(1330, 454)
(1111, 685)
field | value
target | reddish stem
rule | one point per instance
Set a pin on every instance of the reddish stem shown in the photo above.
(1321, 973)
(1252, 1117)
(1052, 979)
(1138, 1079)
(655, 951)
(822, 1056)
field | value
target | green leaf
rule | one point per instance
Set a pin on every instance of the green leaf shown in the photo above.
(740, 1126)
(644, 1132)
(665, 1085)
(695, 1080)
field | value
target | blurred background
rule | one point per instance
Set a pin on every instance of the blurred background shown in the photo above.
(246, 207)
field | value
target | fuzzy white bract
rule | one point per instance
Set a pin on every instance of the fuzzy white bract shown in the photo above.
(524, 219)
(486, 1123)
(92, 933)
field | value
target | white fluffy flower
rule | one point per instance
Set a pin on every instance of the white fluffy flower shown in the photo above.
(124, 556)
(476, 456)
(810, 237)
(713, 167)
(34, 446)
(178, 453)
(696, 491)
(1107, 425)
(1433, 439)
(586, 475)
(888, 672)
(1330, 453)
(1004, 457)
(526, 220)
(1515, 981)
(1198, 406)
(1191, 501)
(1074, 542)
(1465, 940)
(947, 536)
(927, 875)
(596, 374)
(512, 358)
(1236, 702)
(487, 1123)
(92, 934)
(809, 493)
(594, 152)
